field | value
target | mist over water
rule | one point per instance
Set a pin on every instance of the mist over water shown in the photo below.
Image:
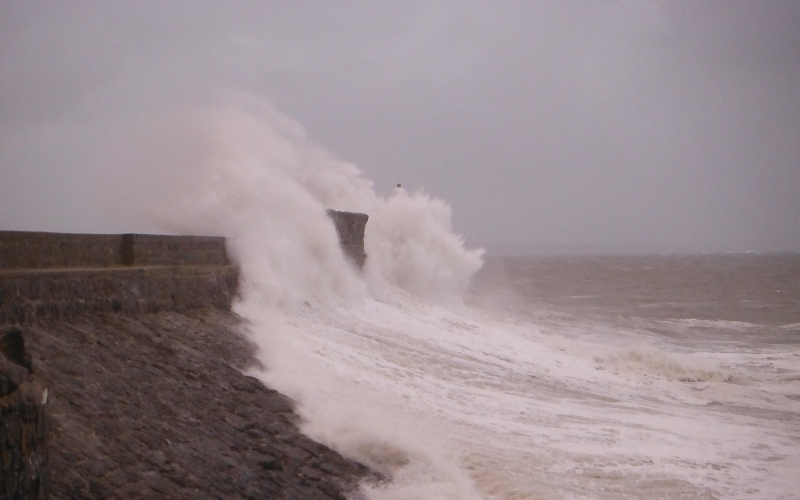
(249, 172)
(510, 391)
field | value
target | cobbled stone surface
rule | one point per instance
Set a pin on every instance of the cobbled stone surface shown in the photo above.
(155, 406)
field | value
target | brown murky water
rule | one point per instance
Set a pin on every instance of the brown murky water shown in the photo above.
(742, 297)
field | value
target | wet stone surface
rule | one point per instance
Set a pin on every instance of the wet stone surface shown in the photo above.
(155, 406)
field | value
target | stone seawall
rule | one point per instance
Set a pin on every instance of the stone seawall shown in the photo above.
(31, 295)
(152, 404)
(38, 250)
(58, 276)
(160, 250)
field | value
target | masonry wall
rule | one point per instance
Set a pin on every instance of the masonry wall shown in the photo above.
(34, 250)
(57, 276)
(30, 296)
(136, 402)
(159, 250)
(40, 250)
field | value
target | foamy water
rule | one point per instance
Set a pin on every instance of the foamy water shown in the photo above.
(508, 397)
(459, 405)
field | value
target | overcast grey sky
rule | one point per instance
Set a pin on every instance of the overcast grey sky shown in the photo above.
(549, 125)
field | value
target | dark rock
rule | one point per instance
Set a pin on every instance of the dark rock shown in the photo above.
(12, 376)
(23, 423)
(273, 463)
(12, 346)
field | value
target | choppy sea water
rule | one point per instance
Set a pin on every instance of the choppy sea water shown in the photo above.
(673, 377)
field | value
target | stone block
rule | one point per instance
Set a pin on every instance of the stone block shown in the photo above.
(351, 226)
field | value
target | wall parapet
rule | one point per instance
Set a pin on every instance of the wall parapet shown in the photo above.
(56, 276)
(41, 250)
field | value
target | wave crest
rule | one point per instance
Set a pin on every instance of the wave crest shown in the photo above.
(250, 173)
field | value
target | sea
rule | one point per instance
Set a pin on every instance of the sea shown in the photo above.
(459, 376)
(581, 377)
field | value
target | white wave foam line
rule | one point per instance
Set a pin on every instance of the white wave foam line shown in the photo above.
(659, 364)
(719, 324)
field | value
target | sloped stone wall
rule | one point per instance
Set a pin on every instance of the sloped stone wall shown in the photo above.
(155, 406)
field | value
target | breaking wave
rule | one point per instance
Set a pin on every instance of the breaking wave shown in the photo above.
(450, 402)
(251, 174)
(655, 363)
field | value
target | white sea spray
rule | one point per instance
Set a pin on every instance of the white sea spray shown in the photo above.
(389, 368)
